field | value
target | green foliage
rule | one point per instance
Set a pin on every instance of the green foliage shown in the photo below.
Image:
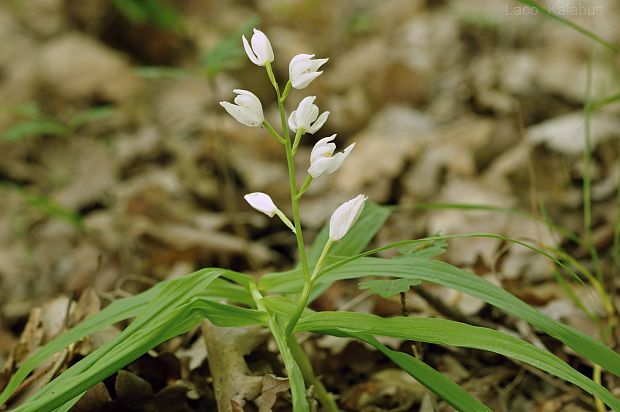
(361, 22)
(452, 333)
(159, 13)
(173, 307)
(429, 249)
(439, 384)
(44, 204)
(298, 388)
(228, 54)
(38, 123)
(167, 310)
(157, 72)
(388, 288)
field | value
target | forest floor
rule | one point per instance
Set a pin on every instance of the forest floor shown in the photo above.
(119, 169)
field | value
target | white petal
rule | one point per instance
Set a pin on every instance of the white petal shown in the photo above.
(262, 47)
(322, 148)
(250, 52)
(318, 123)
(248, 101)
(302, 81)
(261, 202)
(318, 167)
(336, 160)
(345, 216)
(314, 113)
(291, 121)
(295, 61)
(316, 64)
(304, 112)
(240, 114)
(248, 111)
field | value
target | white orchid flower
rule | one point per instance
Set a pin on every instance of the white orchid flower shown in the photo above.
(322, 158)
(345, 217)
(307, 117)
(247, 110)
(263, 203)
(302, 70)
(261, 52)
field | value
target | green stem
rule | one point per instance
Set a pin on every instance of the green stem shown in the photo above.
(299, 310)
(287, 89)
(304, 187)
(319, 263)
(273, 132)
(285, 220)
(326, 398)
(305, 293)
(298, 135)
(303, 260)
(298, 354)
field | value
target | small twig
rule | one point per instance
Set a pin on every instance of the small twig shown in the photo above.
(403, 304)
(449, 311)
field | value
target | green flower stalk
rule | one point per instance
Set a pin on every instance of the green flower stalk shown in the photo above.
(248, 110)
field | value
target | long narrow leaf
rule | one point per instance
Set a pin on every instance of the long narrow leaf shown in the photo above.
(452, 333)
(452, 277)
(440, 384)
(117, 311)
(296, 380)
(429, 377)
(177, 308)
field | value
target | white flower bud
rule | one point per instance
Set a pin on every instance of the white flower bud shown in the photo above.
(261, 52)
(345, 216)
(261, 202)
(307, 116)
(302, 70)
(322, 159)
(248, 109)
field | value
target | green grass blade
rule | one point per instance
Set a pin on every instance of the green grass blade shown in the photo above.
(549, 13)
(146, 331)
(435, 381)
(438, 383)
(113, 356)
(124, 309)
(452, 277)
(115, 312)
(296, 380)
(446, 332)
(292, 281)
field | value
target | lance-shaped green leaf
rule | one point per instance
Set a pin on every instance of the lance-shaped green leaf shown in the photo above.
(452, 333)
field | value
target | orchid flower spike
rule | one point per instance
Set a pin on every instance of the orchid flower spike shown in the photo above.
(307, 117)
(322, 159)
(345, 217)
(248, 109)
(263, 203)
(261, 52)
(302, 70)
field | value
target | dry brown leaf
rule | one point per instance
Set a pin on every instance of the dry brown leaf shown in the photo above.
(232, 380)
(75, 66)
(272, 386)
(565, 133)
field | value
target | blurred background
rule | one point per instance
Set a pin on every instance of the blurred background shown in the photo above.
(119, 168)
